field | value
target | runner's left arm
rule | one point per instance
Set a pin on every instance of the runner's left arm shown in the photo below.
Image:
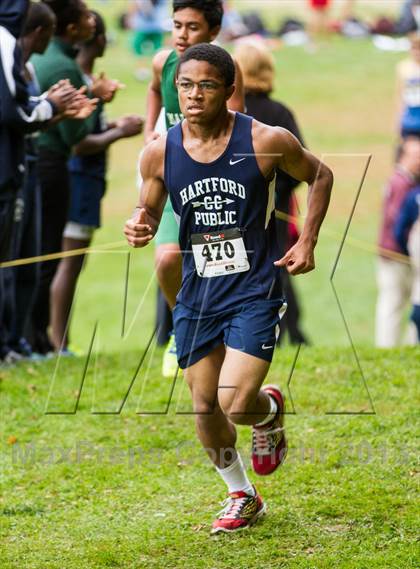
(302, 165)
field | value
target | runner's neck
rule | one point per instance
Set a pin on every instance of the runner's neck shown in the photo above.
(220, 127)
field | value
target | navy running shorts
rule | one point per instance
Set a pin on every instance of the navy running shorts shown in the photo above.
(249, 328)
(85, 199)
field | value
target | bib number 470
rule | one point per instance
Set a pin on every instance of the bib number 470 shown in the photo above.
(213, 251)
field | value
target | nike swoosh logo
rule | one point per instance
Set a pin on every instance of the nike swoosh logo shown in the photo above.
(233, 162)
(264, 347)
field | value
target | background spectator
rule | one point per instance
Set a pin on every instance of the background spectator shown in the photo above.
(233, 25)
(75, 24)
(407, 234)
(408, 78)
(318, 20)
(19, 114)
(394, 278)
(409, 20)
(36, 35)
(87, 169)
(146, 19)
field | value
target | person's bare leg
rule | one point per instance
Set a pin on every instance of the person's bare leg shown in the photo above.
(168, 262)
(218, 436)
(347, 10)
(216, 433)
(240, 395)
(62, 291)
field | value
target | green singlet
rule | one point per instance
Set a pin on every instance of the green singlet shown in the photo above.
(168, 229)
(169, 91)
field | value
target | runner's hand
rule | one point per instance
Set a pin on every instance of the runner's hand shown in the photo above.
(137, 232)
(299, 259)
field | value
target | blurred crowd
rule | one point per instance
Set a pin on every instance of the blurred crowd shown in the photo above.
(398, 271)
(54, 137)
(150, 19)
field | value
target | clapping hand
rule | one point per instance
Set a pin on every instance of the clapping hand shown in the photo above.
(61, 95)
(81, 107)
(70, 102)
(105, 88)
(130, 125)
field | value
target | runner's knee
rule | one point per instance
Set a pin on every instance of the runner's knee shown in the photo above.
(237, 402)
(204, 406)
(204, 403)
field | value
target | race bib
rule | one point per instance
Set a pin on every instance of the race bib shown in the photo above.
(219, 253)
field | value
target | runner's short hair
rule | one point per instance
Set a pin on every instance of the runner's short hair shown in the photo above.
(213, 54)
(67, 12)
(39, 16)
(212, 9)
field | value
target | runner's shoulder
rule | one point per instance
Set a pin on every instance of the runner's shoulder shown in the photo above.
(153, 157)
(272, 139)
(160, 59)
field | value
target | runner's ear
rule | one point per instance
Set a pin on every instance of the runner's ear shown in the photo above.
(229, 91)
(214, 32)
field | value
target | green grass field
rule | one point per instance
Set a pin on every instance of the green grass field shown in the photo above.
(101, 467)
(134, 490)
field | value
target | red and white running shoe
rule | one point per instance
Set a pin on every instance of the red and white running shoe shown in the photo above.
(269, 445)
(241, 511)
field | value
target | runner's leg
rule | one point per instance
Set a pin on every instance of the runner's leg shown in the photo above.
(216, 433)
(240, 394)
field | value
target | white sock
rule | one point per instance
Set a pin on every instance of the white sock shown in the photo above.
(235, 477)
(271, 414)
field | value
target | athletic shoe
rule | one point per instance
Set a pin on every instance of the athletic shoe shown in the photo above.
(170, 362)
(241, 511)
(23, 347)
(41, 344)
(269, 445)
(9, 357)
(66, 353)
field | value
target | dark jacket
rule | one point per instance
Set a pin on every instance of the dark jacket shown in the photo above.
(19, 113)
(273, 113)
(59, 62)
(408, 215)
(406, 23)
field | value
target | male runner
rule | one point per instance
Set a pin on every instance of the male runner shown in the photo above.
(217, 167)
(194, 21)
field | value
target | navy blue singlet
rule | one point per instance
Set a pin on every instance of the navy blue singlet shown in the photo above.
(213, 202)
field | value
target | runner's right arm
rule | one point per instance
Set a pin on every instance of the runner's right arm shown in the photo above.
(154, 96)
(144, 223)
